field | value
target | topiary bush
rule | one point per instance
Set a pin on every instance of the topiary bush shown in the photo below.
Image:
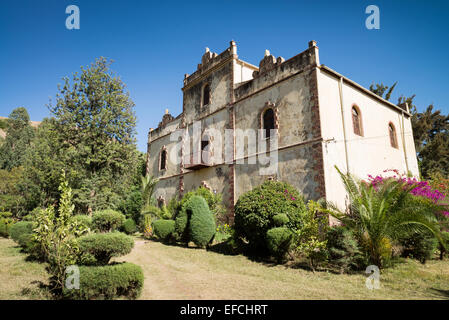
(99, 248)
(164, 229)
(344, 250)
(280, 219)
(181, 232)
(84, 220)
(108, 282)
(20, 228)
(202, 223)
(129, 226)
(107, 220)
(214, 201)
(279, 241)
(255, 211)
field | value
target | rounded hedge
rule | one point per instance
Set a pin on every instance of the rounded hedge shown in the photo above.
(202, 223)
(129, 226)
(83, 219)
(99, 248)
(107, 220)
(280, 220)
(20, 228)
(255, 211)
(279, 241)
(108, 282)
(164, 229)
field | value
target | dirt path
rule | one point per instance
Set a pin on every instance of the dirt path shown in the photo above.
(174, 272)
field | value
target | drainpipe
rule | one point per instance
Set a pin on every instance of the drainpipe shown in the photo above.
(340, 89)
(403, 140)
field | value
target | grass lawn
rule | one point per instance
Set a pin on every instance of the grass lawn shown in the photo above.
(19, 278)
(173, 272)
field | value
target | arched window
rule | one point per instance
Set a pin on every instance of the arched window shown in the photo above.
(163, 160)
(357, 121)
(268, 121)
(392, 133)
(206, 95)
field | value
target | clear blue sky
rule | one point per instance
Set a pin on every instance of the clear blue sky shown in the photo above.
(154, 44)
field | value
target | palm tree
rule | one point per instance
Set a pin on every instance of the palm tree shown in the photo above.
(383, 213)
(147, 188)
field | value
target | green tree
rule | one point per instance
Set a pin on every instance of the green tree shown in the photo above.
(380, 89)
(43, 164)
(11, 193)
(91, 136)
(19, 135)
(431, 135)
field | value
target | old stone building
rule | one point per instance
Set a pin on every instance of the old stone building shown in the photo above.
(319, 118)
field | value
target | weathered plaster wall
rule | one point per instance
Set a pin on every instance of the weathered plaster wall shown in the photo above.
(167, 188)
(155, 150)
(217, 178)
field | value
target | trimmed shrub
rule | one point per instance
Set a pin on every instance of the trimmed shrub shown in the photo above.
(202, 223)
(164, 229)
(108, 282)
(343, 248)
(107, 220)
(419, 246)
(166, 214)
(279, 241)
(83, 219)
(99, 248)
(280, 220)
(20, 228)
(214, 201)
(255, 210)
(181, 232)
(129, 226)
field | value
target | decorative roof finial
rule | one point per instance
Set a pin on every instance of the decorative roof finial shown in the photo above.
(267, 52)
(207, 49)
(166, 111)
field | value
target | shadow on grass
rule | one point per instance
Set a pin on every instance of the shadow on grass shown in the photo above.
(39, 290)
(440, 293)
